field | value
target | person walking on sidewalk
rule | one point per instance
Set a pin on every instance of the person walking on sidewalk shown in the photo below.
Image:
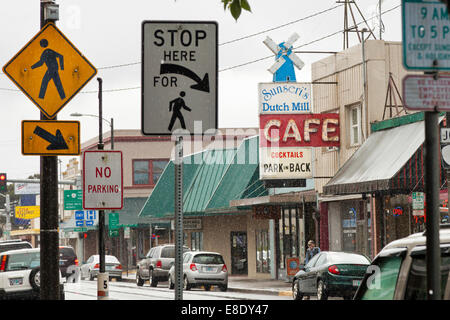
(310, 253)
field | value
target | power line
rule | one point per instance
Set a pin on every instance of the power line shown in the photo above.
(233, 67)
(242, 38)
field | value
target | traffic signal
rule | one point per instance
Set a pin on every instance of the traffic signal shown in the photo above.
(3, 180)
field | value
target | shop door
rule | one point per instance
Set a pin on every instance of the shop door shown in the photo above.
(239, 253)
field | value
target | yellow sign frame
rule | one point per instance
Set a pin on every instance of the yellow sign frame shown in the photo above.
(49, 70)
(50, 137)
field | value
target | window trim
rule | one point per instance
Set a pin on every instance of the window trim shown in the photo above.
(150, 171)
(350, 108)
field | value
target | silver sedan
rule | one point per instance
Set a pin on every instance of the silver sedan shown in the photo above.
(202, 268)
(91, 268)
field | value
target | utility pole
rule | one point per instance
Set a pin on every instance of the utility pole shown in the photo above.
(49, 237)
(102, 278)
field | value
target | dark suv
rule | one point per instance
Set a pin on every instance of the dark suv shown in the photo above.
(68, 261)
(6, 245)
(156, 264)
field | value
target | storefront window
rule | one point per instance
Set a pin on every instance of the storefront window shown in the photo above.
(196, 241)
(349, 215)
(289, 237)
(262, 251)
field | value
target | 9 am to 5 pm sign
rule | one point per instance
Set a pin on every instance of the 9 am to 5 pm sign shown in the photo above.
(102, 180)
(426, 35)
(299, 130)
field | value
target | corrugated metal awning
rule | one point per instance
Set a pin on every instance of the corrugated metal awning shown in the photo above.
(378, 160)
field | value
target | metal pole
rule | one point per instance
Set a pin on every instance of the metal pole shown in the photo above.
(49, 237)
(433, 254)
(102, 278)
(179, 218)
(112, 133)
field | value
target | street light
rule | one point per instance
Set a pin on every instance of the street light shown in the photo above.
(111, 123)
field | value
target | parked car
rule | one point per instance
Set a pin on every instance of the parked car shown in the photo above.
(202, 268)
(156, 264)
(399, 271)
(91, 268)
(330, 274)
(68, 262)
(6, 245)
(20, 274)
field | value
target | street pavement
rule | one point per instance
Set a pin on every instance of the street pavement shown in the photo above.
(242, 284)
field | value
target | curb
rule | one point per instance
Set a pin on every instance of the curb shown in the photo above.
(240, 289)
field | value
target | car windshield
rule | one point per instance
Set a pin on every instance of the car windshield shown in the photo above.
(352, 258)
(208, 259)
(169, 252)
(22, 261)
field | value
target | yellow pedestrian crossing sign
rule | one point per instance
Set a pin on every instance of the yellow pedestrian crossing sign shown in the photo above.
(50, 70)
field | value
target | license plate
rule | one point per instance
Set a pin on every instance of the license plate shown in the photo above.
(209, 269)
(61, 262)
(356, 283)
(16, 282)
(109, 267)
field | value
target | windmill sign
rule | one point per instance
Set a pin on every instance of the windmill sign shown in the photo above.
(286, 59)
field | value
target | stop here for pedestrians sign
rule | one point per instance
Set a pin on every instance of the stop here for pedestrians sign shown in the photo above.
(179, 77)
(102, 180)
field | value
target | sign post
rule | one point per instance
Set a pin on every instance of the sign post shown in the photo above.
(425, 40)
(50, 71)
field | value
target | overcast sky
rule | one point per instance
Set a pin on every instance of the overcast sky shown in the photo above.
(108, 33)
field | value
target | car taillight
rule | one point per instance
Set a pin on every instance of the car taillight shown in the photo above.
(224, 268)
(97, 266)
(76, 262)
(333, 269)
(193, 267)
(119, 267)
(159, 264)
(3, 263)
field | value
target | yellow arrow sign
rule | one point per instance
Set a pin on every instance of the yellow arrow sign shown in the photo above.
(50, 137)
(50, 70)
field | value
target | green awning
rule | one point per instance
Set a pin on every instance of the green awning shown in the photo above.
(210, 180)
(129, 214)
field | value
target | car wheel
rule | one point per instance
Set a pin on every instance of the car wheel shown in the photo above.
(35, 278)
(151, 279)
(296, 294)
(139, 280)
(171, 284)
(207, 287)
(223, 287)
(91, 277)
(187, 285)
(321, 291)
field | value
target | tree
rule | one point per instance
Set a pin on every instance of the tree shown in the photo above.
(236, 6)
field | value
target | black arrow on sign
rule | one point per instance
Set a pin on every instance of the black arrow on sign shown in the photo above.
(56, 141)
(202, 84)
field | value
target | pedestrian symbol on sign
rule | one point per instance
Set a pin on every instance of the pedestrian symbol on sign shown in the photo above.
(50, 58)
(178, 104)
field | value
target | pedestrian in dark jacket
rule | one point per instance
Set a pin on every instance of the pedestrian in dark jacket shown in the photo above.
(311, 251)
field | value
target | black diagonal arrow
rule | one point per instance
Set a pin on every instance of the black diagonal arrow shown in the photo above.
(56, 141)
(201, 84)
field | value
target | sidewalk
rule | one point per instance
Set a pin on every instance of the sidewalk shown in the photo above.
(242, 284)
